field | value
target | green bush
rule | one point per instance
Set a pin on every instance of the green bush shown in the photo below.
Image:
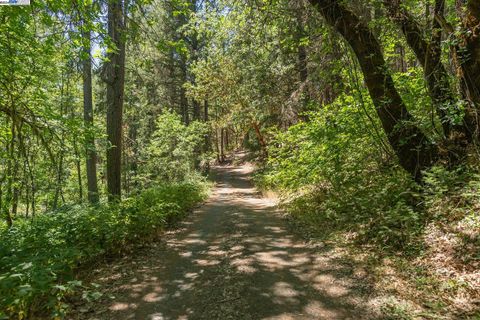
(174, 150)
(336, 178)
(336, 175)
(39, 257)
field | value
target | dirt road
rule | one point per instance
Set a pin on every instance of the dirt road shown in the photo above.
(234, 258)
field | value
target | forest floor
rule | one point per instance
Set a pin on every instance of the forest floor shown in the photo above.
(236, 257)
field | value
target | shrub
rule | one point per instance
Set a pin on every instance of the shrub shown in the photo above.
(174, 149)
(337, 177)
(39, 257)
(450, 194)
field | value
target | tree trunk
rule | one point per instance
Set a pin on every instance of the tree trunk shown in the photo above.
(206, 147)
(30, 195)
(428, 55)
(193, 59)
(91, 154)
(400, 65)
(301, 49)
(9, 177)
(79, 170)
(466, 56)
(27, 202)
(16, 189)
(58, 185)
(227, 140)
(410, 144)
(183, 96)
(132, 135)
(472, 44)
(260, 137)
(217, 149)
(115, 91)
(33, 186)
(222, 140)
(469, 59)
(196, 109)
(301, 65)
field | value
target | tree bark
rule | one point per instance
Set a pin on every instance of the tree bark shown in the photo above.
(115, 92)
(412, 147)
(91, 154)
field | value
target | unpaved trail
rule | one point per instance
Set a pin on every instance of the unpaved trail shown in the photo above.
(234, 258)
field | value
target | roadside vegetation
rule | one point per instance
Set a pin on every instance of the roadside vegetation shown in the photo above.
(40, 257)
(419, 242)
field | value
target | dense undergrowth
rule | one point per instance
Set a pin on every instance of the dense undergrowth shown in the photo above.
(339, 182)
(40, 256)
